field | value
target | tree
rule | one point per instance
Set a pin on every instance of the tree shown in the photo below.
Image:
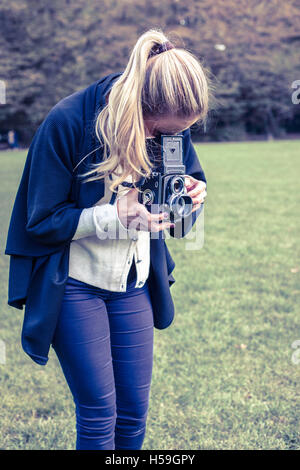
(50, 50)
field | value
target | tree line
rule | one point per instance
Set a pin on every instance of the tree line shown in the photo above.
(250, 48)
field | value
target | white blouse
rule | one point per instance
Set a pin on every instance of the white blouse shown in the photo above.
(102, 249)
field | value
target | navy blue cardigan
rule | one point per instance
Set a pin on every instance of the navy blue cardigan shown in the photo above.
(46, 211)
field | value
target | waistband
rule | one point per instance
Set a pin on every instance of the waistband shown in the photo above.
(131, 278)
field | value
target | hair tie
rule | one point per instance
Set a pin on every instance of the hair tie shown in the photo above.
(165, 46)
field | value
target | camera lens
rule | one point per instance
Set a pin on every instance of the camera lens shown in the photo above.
(177, 185)
(181, 206)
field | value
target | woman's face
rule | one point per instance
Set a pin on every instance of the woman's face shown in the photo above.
(167, 125)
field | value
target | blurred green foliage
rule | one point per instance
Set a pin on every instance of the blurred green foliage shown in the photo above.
(52, 49)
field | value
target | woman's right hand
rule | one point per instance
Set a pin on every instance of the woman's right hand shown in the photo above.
(133, 214)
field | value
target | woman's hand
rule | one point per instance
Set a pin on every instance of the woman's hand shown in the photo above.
(196, 189)
(133, 214)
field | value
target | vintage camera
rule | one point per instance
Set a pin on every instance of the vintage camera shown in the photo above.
(164, 190)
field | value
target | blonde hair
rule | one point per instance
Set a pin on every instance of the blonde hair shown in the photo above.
(170, 83)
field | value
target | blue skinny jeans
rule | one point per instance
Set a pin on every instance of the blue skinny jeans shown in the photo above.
(104, 343)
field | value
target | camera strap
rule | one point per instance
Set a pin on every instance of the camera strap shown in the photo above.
(132, 185)
(127, 185)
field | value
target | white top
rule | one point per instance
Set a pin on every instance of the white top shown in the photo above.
(102, 249)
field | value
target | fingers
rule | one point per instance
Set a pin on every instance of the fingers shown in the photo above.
(200, 198)
(199, 188)
(190, 182)
(155, 224)
(139, 217)
(196, 189)
(196, 206)
(152, 222)
(158, 227)
(142, 211)
(157, 217)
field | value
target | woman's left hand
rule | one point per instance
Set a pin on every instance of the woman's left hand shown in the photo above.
(196, 189)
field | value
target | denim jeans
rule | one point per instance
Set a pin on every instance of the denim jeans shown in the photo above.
(104, 343)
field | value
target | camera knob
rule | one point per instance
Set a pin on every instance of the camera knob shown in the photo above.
(148, 196)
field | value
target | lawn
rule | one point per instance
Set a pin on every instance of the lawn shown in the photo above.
(225, 373)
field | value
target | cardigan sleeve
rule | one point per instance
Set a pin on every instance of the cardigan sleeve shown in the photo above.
(86, 226)
(101, 220)
(192, 168)
(52, 216)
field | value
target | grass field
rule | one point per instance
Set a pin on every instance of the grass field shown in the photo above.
(225, 373)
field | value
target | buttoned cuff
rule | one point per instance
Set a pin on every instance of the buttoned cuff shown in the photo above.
(108, 224)
(86, 225)
(103, 221)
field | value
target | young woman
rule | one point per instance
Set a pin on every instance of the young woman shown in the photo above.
(94, 287)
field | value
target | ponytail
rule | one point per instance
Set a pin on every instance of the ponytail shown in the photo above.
(152, 85)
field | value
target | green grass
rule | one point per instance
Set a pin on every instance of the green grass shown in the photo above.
(223, 375)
